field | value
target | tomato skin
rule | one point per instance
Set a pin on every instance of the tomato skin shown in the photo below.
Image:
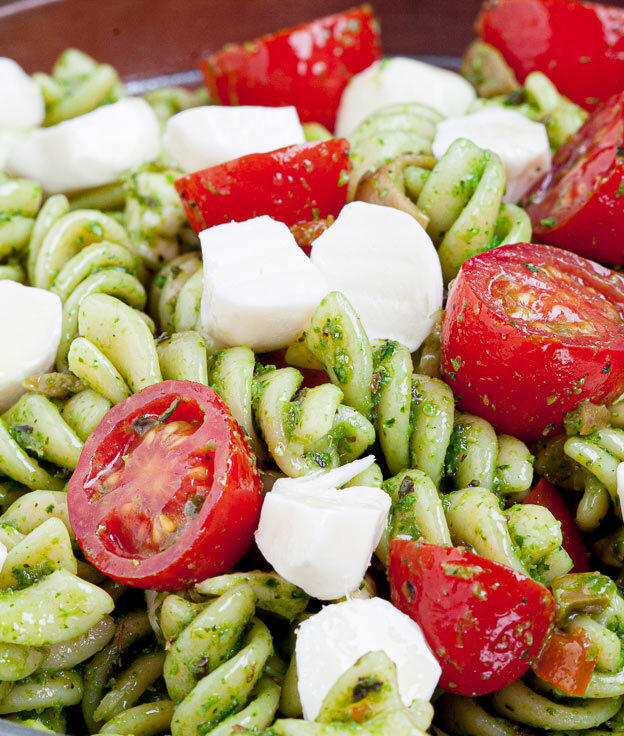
(545, 494)
(307, 66)
(523, 375)
(293, 185)
(224, 527)
(565, 663)
(579, 203)
(483, 621)
(579, 45)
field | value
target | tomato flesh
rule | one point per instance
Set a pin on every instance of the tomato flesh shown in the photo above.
(579, 45)
(307, 66)
(534, 316)
(566, 662)
(294, 185)
(579, 203)
(483, 621)
(545, 494)
(166, 492)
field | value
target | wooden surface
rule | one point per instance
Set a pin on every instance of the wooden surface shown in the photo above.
(149, 37)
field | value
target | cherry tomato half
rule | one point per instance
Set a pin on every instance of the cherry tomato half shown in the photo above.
(483, 621)
(294, 185)
(566, 662)
(529, 332)
(579, 203)
(545, 494)
(307, 66)
(166, 492)
(579, 45)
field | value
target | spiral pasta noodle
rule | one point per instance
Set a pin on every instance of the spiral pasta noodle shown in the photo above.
(462, 197)
(175, 295)
(214, 669)
(414, 415)
(387, 134)
(40, 657)
(78, 253)
(77, 85)
(20, 200)
(153, 215)
(304, 430)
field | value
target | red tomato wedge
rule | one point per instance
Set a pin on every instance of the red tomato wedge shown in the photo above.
(579, 45)
(307, 66)
(579, 203)
(166, 492)
(483, 621)
(293, 185)
(566, 662)
(545, 494)
(529, 332)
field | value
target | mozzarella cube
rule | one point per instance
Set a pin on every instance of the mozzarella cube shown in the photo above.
(30, 325)
(3, 555)
(620, 484)
(400, 79)
(21, 101)
(521, 144)
(319, 537)
(207, 136)
(384, 262)
(260, 289)
(91, 149)
(332, 641)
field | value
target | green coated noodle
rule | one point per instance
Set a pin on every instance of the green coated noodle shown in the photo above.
(303, 430)
(414, 415)
(84, 411)
(364, 700)
(273, 593)
(416, 512)
(147, 719)
(525, 537)
(129, 686)
(106, 198)
(131, 628)
(183, 356)
(81, 253)
(115, 354)
(520, 703)
(45, 690)
(77, 85)
(388, 133)
(213, 669)
(67, 654)
(20, 200)
(462, 198)
(175, 295)
(154, 215)
(168, 101)
(35, 508)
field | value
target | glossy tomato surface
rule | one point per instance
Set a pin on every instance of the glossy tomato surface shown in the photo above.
(294, 185)
(545, 494)
(529, 331)
(579, 203)
(579, 45)
(307, 66)
(484, 621)
(566, 662)
(166, 492)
